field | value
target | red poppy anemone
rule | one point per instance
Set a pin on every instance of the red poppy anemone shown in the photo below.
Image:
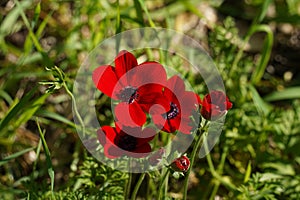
(181, 103)
(117, 142)
(215, 105)
(137, 87)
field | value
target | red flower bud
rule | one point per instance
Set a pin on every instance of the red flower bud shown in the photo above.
(215, 105)
(181, 164)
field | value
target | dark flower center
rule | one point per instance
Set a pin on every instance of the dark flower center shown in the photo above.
(172, 113)
(128, 94)
(127, 142)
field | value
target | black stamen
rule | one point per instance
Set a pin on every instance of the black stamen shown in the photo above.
(172, 113)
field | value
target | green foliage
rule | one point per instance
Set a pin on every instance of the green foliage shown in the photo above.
(96, 181)
(270, 186)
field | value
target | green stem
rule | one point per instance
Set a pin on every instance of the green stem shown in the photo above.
(166, 185)
(152, 24)
(214, 191)
(75, 107)
(137, 186)
(192, 159)
(265, 54)
(128, 186)
(251, 30)
(220, 171)
(162, 183)
(212, 168)
(118, 28)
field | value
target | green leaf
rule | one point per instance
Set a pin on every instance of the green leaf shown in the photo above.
(263, 11)
(261, 105)
(12, 17)
(15, 155)
(248, 172)
(30, 111)
(48, 156)
(286, 94)
(16, 108)
(55, 116)
(143, 5)
(265, 54)
(139, 12)
(6, 96)
(37, 12)
(280, 168)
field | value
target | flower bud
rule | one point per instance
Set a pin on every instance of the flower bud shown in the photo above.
(181, 164)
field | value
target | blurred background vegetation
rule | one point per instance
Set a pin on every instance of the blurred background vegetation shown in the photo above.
(254, 43)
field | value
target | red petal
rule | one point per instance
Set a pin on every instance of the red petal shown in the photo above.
(143, 149)
(217, 97)
(147, 73)
(106, 132)
(188, 103)
(228, 104)
(130, 114)
(155, 102)
(105, 79)
(150, 88)
(199, 99)
(124, 62)
(172, 125)
(174, 88)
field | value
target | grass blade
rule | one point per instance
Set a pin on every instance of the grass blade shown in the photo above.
(118, 28)
(248, 172)
(55, 116)
(139, 12)
(15, 155)
(152, 24)
(28, 113)
(263, 11)
(12, 17)
(261, 105)
(15, 109)
(48, 156)
(266, 53)
(286, 94)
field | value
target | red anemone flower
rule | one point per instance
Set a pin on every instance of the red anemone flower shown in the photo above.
(133, 142)
(215, 105)
(181, 103)
(136, 86)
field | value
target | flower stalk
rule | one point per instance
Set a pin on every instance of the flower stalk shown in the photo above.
(162, 181)
(192, 159)
(137, 186)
